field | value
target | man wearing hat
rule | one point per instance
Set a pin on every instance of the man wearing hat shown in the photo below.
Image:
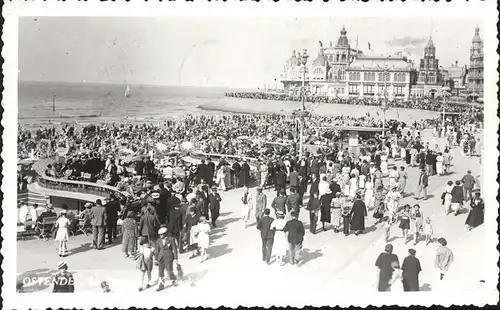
(214, 200)
(293, 201)
(112, 210)
(279, 202)
(98, 222)
(260, 203)
(296, 231)
(423, 182)
(358, 214)
(63, 280)
(165, 255)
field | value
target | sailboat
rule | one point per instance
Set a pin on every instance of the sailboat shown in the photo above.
(127, 91)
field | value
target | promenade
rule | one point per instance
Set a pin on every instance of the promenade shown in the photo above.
(331, 262)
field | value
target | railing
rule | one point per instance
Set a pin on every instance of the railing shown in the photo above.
(48, 182)
(201, 155)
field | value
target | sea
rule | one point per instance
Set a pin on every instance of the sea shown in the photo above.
(98, 103)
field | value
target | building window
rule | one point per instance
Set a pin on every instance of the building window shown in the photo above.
(403, 77)
(368, 90)
(399, 90)
(318, 71)
(358, 76)
(369, 76)
(342, 74)
(353, 89)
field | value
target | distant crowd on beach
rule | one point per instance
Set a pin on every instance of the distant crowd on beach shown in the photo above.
(420, 104)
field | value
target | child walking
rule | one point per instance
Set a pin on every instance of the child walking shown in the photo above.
(428, 231)
(145, 261)
(203, 231)
(62, 234)
(387, 225)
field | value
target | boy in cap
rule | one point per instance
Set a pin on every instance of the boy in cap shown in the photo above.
(63, 280)
(165, 255)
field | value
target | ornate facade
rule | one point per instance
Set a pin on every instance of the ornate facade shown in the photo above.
(293, 75)
(476, 68)
(365, 78)
(328, 70)
(429, 82)
(455, 78)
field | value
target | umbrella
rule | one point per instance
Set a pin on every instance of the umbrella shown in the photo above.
(243, 138)
(161, 146)
(128, 151)
(172, 153)
(187, 145)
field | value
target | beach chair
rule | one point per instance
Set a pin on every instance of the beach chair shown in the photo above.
(44, 228)
(84, 226)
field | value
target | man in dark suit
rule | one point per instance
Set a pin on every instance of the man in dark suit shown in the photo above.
(214, 200)
(335, 187)
(411, 268)
(235, 173)
(279, 202)
(149, 166)
(162, 203)
(280, 181)
(171, 202)
(423, 182)
(98, 222)
(293, 201)
(267, 235)
(165, 255)
(296, 231)
(294, 178)
(245, 173)
(139, 166)
(112, 209)
(175, 223)
(314, 185)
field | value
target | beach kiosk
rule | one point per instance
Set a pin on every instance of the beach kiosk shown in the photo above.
(356, 138)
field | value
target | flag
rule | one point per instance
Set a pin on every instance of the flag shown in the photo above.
(369, 46)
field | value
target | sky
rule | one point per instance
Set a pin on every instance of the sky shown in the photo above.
(209, 51)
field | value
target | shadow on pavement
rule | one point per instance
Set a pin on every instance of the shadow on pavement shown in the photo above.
(35, 280)
(425, 288)
(225, 214)
(227, 221)
(308, 256)
(218, 250)
(196, 276)
(84, 247)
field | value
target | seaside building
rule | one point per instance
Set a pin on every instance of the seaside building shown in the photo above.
(328, 75)
(292, 76)
(365, 78)
(476, 68)
(429, 83)
(455, 78)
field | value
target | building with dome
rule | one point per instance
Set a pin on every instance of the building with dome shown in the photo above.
(326, 74)
(475, 77)
(429, 83)
(328, 70)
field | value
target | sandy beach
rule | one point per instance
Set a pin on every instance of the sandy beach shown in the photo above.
(252, 106)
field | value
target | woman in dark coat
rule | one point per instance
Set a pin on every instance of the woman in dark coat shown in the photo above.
(245, 174)
(411, 268)
(476, 213)
(326, 215)
(358, 213)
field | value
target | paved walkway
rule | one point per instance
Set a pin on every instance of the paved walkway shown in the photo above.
(332, 262)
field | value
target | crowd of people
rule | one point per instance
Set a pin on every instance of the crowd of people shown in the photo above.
(434, 104)
(171, 205)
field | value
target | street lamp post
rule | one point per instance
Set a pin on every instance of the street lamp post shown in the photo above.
(303, 112)
(384, 104)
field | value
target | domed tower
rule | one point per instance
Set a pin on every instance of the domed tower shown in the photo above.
(476, 67)
(343, 41)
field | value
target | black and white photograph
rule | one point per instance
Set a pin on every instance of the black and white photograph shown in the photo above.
(224, 159)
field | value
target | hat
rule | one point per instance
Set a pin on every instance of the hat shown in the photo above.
(61, 265)
(259, 188)
(64, 211)
(155, 195)
(279, 212)
(88, 205)
(328, 191)
(338, 194)
(162, 231)
(214, 187)
(149, 182)
(109, 156)
(389, 248)
(412, 251)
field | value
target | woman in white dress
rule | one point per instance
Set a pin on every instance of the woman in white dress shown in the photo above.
(447, 197)
(369, 193)
(383, 163)
(263, 174)
(203, 237)
(220, 178)
(246, 206)
(280, 241)
(353, 185)
(62, 234)
(362, 181)
(439, 164)
(394, 149)
(346, 181)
